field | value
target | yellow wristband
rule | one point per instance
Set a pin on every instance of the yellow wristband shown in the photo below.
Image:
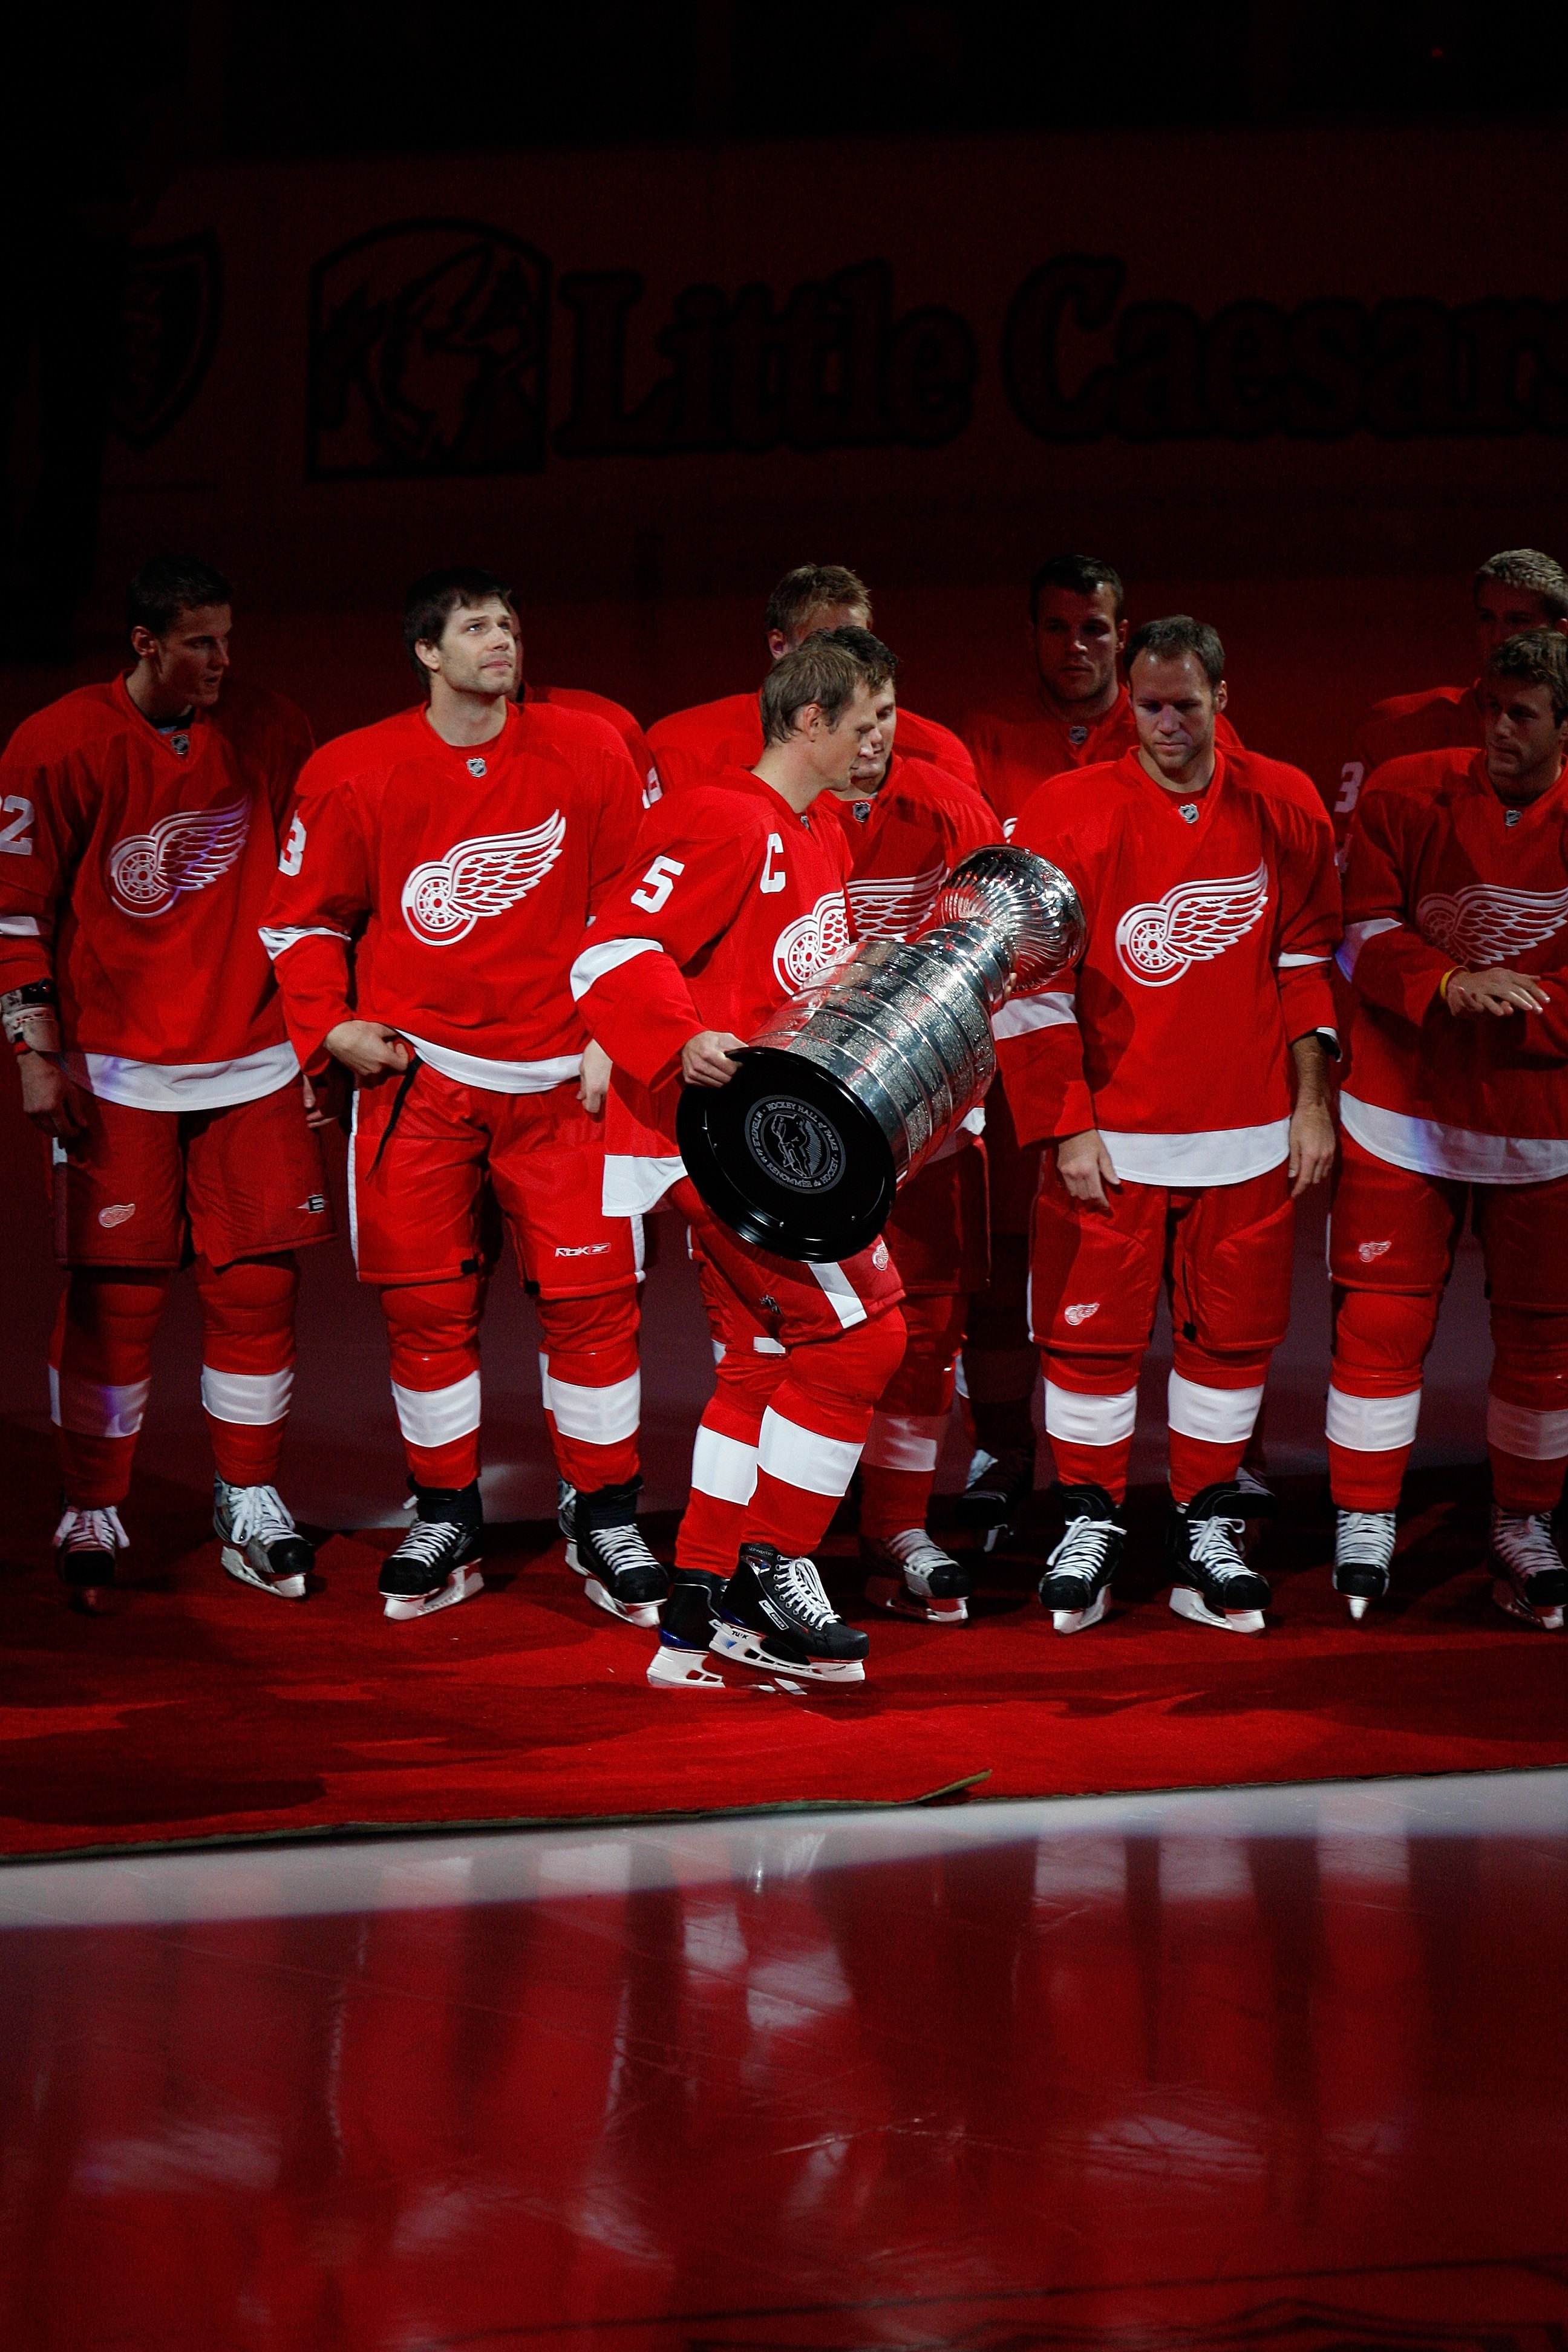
(1447, 976)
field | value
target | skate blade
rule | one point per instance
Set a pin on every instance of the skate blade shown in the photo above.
(1545, 1621)
(671, 1668)
(1196, 1610)
(1078, 1620)
(634, 1613)
(1358, 1603)
(747, 1649)
(461, 1585)
(890, 1592)
(91, 1600)
(287, 1588)
(994, 1538)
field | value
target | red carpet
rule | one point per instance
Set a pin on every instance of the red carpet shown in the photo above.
(202, 1711)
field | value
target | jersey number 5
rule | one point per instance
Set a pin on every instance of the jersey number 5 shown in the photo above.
(657, 884)
(13, 835)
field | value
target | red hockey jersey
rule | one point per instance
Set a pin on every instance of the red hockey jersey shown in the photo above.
(616, 715)
(1444, 717)
(691, 746)
(443, 890)
(1211, 923)
(731, 903)
(135, 866)
(1023, 741)
(903, 843)
(1443, 874)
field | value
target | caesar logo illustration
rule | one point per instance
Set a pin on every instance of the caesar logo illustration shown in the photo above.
(171, 306)
(427, 353)
(794, 1144)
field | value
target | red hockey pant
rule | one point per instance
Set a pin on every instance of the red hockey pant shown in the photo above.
(937, 1234)
(100, 1367)
(802, 1352)
(1392, 1241)
(425, 1186)
(1000, 1361)
(1224, 1254)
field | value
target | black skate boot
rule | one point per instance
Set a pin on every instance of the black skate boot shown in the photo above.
(774, 1614)
(426, 1571)
(1212, 1584)
(1259, 1497)
(1076, 1586)
(915, 1578)
(686, 1623)
(85, 1544)
(603, 1545)
(999, 1485)
(1363, 1558)
(1529, 1580)
(261, 1545)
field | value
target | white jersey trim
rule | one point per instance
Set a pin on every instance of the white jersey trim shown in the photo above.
(636, 1182)
(18, 927)
(496, 1077)
(1222, 1155)
(278, 941)
(185, 1086)
(608, 956)
(1021, 1016)
(1357, 937)
(1457, 1153)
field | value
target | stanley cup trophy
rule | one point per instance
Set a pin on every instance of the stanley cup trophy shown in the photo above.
(852, 1084)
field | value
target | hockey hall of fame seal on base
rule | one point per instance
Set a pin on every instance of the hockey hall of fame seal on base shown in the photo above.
(794, 1144)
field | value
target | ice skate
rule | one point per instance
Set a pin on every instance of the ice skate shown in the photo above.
(1212, 1584)
(605, 1545)
(85, 1544)
(999, 1485)
(1363, 1558)
(774, 1614)
(684, 1661)
(261, 1545)
(1076, 1586)
(915, 1578)
(1259, 1497)
(1529, 1580)
(427, 1570)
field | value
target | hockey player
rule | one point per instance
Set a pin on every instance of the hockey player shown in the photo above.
(140, 822)
(1456, 942)
(908, 825)
(1078, 715)
(690, 745)
(733, 901)
(1160, 1073)
(1517, 589)
(435, 882)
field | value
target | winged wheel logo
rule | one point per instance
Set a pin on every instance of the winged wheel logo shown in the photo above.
(894, 906)
(1159, 940)
(443, 899)
(187, 851)
(812, 942)
(1483, 926)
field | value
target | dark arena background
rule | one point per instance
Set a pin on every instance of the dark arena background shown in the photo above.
(373, 1985)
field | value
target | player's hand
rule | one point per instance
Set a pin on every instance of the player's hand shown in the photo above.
(595, 1083)
(1496, 991)
(50, 1099)
(369, 1048)
(1312, 1147)
(1086, 1168)
(705, 1058)
(326, 1097)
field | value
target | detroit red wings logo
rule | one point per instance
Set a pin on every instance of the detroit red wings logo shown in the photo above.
(812, 942)
(1161, 938)
(187, 851)
(893, 908)
(443, 900)
(1483, 926)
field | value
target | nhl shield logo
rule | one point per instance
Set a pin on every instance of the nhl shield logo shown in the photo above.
(477, 767)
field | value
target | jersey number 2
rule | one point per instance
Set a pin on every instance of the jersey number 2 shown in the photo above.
(15, 836)
(658, 883)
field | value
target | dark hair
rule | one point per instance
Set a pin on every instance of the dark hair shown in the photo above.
(1082, 576)
(432, 600)
(817, 672)
(170, 585)
(814, 588)
(879, 662)
(1536, 657)
(1537, 574)
(1176, 634)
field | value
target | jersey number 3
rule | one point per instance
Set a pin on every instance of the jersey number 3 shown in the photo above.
(657, 884)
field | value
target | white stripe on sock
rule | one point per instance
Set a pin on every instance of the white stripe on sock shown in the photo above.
(1089, 1420)
(904, 1441)
(1525, 1430)
(802, 1457)
(437, 1416)
(91, 1409)
(1372, 1424)
(596, 1416)
(723, 1467)
(256, 1399)
(1218, 1416)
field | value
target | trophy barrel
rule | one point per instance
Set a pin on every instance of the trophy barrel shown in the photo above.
(788, 1158)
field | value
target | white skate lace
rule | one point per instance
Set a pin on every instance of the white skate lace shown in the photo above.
(1364, 1539)
(1083, 1549)
(1525, 1542)
(623, 1548)
(259, 1511)
(914, 1550)
(1215, 1546)
(798, 1584)
(92, 1531)
(426, 1541)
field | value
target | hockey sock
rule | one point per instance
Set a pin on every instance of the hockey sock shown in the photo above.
(724, 1457)
(1381, 1339)
(248, 1362)
(432, 1330)
(898, 1467)
(813, 1430)
(592, 1387)
(1527, 1408)
(1000, 1363)
(1209, 1427)
(1092, 1436)
(100, 1362)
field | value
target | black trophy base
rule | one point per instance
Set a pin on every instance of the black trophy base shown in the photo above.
(787, 1157)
